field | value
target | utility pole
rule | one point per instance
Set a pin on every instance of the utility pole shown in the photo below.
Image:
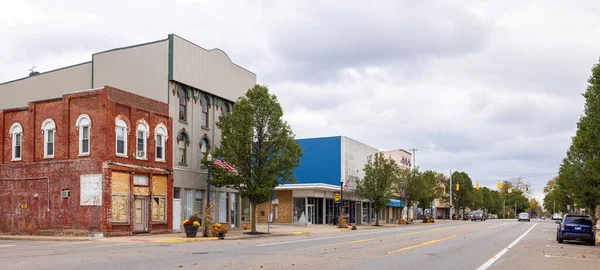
(451, 201)
(515, 209)
(504, 209)
(414, 156)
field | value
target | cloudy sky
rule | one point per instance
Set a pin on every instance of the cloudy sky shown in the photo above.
(492, 89)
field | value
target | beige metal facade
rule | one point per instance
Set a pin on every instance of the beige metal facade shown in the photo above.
(209, 70)
(141, 69)
(46, 85)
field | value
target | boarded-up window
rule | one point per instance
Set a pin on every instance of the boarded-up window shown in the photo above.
(159, 185)
(119, 208)
(120, 183)
(158, 209)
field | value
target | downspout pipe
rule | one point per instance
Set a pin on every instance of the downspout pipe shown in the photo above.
(33, 178)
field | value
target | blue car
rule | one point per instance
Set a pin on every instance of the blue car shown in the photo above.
(576, 227)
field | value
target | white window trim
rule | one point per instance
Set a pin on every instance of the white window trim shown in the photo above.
(143, 124)
(11, 133)
(125, 133)
(45, 132)
(160, 129)
(79, 125)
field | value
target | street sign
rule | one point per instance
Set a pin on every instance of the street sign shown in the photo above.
(336, 197)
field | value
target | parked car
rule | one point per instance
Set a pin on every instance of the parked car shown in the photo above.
(524, 216)
(543, 217)
(477, 215)
(467, 216)
(556, 216)
(494, 216)
(576, 227)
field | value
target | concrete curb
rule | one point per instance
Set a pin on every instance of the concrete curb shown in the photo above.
(300, 233)
(46, 238)
(187, 240)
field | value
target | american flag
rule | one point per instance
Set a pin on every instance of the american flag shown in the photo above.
(402, 192)
(222, 164)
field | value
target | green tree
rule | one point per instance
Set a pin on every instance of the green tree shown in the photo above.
(429, 187)
(260, 145)
(380, 174)
(556, 200)
(490, 200)
(463, 197)
(409, 187)
(579, 174)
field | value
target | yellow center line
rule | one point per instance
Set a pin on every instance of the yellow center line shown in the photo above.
(388, 236)
(420, 245)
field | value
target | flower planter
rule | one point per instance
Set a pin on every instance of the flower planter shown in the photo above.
(221, 235)
(191, 231)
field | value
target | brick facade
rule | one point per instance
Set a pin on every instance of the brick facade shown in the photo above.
(24, 185)
(284, 208)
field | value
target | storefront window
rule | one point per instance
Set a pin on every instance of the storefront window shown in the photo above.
(198, 202)
(299, 208)
(222, 207)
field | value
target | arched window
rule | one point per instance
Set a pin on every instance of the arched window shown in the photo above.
(161, 138)
(182, 105)
(205, 111)
(49, 129)
(226, 109)
(16, 132)
(141, 135)
(121, 137)
(183, 141)
(84, 124)
(204, 146)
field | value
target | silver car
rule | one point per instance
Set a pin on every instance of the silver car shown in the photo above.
(478, 215)
(524, 216)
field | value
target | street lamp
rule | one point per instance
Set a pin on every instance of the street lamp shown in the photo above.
(209, 160)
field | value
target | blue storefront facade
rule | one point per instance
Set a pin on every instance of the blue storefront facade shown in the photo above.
(325, 163)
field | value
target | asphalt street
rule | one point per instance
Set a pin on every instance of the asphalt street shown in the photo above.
(493, 244)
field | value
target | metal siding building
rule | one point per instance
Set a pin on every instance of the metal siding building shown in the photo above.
(46, 85)
(321, 161)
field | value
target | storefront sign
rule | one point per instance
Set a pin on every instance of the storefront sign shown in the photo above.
(336, 197)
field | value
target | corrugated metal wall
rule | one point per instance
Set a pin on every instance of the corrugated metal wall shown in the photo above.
(321, 162)
(141, 69)
(50, 84)
(211, 71)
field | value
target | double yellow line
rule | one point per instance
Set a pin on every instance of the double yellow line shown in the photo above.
(387, 236)
(422, 244)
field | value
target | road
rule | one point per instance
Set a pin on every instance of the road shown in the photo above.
(493, 244)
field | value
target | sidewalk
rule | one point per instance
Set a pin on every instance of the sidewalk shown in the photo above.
(179, 237)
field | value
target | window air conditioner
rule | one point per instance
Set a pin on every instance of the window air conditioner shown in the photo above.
(140, 153)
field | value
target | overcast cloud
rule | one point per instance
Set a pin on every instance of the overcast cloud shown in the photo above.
(491, 89)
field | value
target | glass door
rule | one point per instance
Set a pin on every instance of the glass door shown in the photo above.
(311, 214)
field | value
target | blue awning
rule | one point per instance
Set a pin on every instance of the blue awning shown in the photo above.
(395, 203)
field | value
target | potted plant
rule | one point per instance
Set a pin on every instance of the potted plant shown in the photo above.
(191, 226)
(219, 230)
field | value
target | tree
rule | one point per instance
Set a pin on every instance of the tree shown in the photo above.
(490, 200)
(429, 188)
(260, 145)
(380, 174)
(408, 185)
(463, 197)
(556, 200)
(579, 174)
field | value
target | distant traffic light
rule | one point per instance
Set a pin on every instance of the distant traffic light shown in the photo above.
(477, 185)
(499, 185)
(457, 187)
(550, 187)
(526, 188)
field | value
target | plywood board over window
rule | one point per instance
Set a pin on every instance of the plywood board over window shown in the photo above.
(159, 185)
(141, 191)
(158, 209)
(119, 208)
(120, 183)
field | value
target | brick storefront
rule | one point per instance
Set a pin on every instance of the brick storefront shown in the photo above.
(73, 193)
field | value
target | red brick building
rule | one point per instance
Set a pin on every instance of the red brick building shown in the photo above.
(94, 161)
